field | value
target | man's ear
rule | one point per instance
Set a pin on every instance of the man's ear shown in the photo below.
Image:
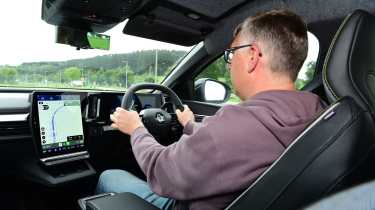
(254, 56)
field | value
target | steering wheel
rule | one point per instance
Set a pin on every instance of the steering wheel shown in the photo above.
(158, 122)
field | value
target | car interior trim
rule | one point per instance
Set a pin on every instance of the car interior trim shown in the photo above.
(325, 71)
(65, 158)
(14, 117)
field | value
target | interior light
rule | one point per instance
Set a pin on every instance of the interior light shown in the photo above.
(193, 16)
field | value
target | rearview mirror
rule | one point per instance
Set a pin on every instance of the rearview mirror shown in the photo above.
(209, 90)
(82, 39)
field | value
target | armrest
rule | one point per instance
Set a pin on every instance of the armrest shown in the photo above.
(120, 201)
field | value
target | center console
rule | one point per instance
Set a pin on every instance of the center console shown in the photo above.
(110, 201)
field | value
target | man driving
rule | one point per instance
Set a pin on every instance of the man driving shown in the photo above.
(214, 161)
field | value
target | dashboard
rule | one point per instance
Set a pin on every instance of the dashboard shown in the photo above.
(102, 105)
(62, 123)
(48, 135)
(58, 120)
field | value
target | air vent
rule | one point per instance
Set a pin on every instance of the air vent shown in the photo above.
(10, 129)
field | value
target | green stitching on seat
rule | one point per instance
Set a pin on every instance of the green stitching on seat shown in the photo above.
(325, 77)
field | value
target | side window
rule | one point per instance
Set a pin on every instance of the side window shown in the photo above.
(307, 71)
(218, 71)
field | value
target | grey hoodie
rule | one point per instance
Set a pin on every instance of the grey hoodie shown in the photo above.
(213, 162)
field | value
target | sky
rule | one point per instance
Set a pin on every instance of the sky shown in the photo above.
(25, 37)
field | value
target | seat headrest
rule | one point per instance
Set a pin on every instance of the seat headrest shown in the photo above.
(349, 68)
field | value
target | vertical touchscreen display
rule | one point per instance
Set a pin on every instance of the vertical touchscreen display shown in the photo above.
(60, 122)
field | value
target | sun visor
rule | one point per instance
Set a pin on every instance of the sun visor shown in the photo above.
(163, 31)
(94, 15)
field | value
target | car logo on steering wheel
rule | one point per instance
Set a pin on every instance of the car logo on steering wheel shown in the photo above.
(160, 118)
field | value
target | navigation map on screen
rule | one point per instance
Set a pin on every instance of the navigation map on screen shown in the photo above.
(60, 122)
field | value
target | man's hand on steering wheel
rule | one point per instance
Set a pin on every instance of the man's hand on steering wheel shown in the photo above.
(159, 122)
(185, 116)
(126, 121)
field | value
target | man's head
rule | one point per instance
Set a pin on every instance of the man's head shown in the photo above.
(274, 47)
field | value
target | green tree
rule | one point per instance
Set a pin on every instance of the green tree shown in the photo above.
(299, 83)
(149, 78)
(310, 71)
(215, 70)
(8, 74)
(109, 77)
(100, 77)
(98, 71)
(72, 73)
(122, 75)
(309, 75)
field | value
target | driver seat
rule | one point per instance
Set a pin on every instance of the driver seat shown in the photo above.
(335, 150)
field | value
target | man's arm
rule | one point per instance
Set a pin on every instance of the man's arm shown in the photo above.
(190, 127)
(184, 170)
(211, 161)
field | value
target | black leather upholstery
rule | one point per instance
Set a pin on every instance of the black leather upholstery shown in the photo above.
(349, 68)
(120, 201)
(318, 162)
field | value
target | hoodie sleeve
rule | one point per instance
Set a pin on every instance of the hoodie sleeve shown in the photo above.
(189, 127)
(185, 170)
(178, 170)
(213, 160)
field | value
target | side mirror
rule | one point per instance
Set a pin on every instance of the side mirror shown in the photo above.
(209, 90)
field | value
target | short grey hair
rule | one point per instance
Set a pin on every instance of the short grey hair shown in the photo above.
(283, 37)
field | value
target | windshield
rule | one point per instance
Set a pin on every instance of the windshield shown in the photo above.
(32, 59)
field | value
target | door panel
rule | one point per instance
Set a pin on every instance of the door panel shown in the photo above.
(201, 109)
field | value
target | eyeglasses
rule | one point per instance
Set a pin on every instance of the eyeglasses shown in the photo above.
(228, 53)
